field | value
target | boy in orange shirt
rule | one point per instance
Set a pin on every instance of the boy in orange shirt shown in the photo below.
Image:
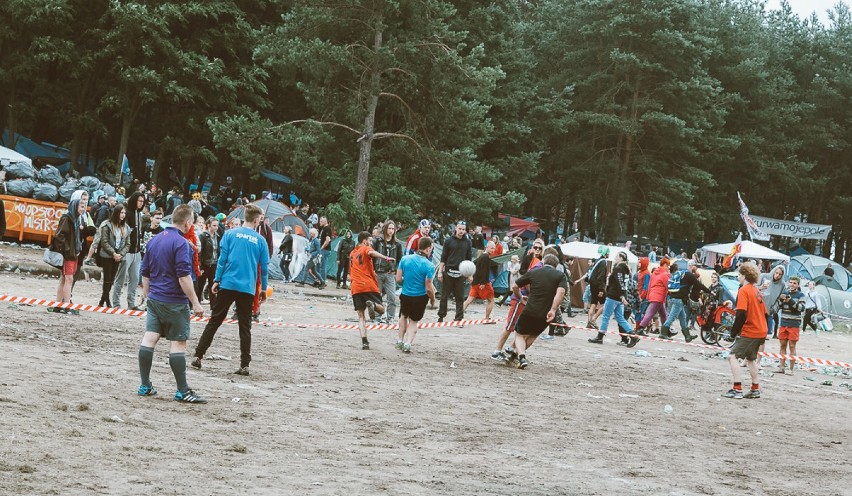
(364, 285)
(749, 329)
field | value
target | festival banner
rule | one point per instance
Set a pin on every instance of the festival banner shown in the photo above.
(791, 229)
(754, 232)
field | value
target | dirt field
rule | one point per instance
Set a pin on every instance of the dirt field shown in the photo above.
(321, 416)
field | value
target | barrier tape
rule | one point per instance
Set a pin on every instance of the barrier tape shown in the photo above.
(388, 327)
(141, 313)
(817, 361)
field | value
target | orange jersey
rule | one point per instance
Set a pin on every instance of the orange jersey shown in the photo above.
(361, 271)
(750, 300)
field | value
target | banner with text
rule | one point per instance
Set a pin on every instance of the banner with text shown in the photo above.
(791, 229)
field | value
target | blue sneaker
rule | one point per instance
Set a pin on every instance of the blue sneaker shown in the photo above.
(146, 390)
(189, 397)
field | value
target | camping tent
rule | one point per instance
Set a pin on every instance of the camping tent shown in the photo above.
(748, 249)
(298, 226)
(519, 227)
(810, 266)
(7, 155)
(837, 303)
(272, 210)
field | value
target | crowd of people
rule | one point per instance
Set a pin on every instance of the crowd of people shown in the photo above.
(199, 258)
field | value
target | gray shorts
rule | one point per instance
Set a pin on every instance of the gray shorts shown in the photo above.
(169, 320)
(747, 348)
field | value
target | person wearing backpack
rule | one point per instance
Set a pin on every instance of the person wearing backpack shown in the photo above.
(596, 278)
(681, 286)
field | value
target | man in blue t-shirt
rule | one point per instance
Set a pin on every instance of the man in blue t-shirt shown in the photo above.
(167, 284)
(243, 255)
(415, 272)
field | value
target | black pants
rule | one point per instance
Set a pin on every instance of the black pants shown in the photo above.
(108, 269)
(220, 311)
(206, 278)
(453, 285)
(342, 271)
(809, 313)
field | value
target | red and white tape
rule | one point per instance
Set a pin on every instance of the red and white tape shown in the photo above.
(388, 327)
(141, 313)
(817, 361)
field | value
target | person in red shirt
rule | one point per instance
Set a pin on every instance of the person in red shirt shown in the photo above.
(749, 329)
(364, 285)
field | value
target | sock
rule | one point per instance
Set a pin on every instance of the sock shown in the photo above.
(146, 359)
(177, 361)
(755, 386)
(521, 356)
(738, 386)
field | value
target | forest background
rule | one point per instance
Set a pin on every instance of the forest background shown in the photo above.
(608, 116)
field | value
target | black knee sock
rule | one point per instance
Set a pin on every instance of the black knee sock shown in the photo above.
(146, 359)
(177, 361)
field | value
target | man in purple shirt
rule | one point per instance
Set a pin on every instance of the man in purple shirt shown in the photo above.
(167, 284)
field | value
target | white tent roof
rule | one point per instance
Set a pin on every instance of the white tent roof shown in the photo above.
(580, 249)
(8, 155)
(748, 249)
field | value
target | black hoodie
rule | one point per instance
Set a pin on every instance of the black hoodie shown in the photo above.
(134, 222)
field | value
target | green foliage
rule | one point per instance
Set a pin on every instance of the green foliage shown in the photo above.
(625, 118)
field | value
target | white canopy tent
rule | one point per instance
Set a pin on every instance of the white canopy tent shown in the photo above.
(580, 249)
(748, 249)
(7, 156)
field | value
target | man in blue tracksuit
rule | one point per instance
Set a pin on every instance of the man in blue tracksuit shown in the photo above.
(241, 252)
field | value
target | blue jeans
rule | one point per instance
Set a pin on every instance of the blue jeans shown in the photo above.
(322, 270)
(615, 307)
(679, 311)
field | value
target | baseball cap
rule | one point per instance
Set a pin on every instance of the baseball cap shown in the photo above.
(424, 223)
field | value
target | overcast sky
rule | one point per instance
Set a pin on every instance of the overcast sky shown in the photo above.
(805, 7)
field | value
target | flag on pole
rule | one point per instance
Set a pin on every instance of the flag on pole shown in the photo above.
(754, 232)
(125, 166)
(731, 259)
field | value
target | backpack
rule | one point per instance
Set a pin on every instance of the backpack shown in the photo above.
(674, 281)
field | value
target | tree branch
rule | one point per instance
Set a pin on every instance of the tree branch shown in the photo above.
(321, 123)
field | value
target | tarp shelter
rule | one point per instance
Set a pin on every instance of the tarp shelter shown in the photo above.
(274, 176)
(519, 227)
(299, 227)
(811, 266)
(8, 156)
(748, 249)
(589, 251)
(272, 210)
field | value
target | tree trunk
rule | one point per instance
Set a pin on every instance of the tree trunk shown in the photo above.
(369, 124)
(76, 147)
(126, 122)
(12, 122)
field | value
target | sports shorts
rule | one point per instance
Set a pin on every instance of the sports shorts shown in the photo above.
(169, 320)
(789, 333)
(529, 325)
(413, 307)
(481, 291)
(359, 300)
(746, 348)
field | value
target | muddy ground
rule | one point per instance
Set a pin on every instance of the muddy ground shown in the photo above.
(321, 416)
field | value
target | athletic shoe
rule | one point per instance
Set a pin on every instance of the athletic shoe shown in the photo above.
(196, 364)
(371, 309)
(399, 345)
(546, 337)
(255, 317)
(511, 356)
(522, 363)
(189, 397)
(440, 319)
(406, 348)
(508, 351)
(365, 345)
(146, 390)
(735, 394)
(137, 309)
(591, 325)
(633, 341)
(752, 395)
(498, 356)
(242, 371)
(598, 339)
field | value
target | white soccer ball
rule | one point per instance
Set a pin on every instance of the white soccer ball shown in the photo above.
(467, 268)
